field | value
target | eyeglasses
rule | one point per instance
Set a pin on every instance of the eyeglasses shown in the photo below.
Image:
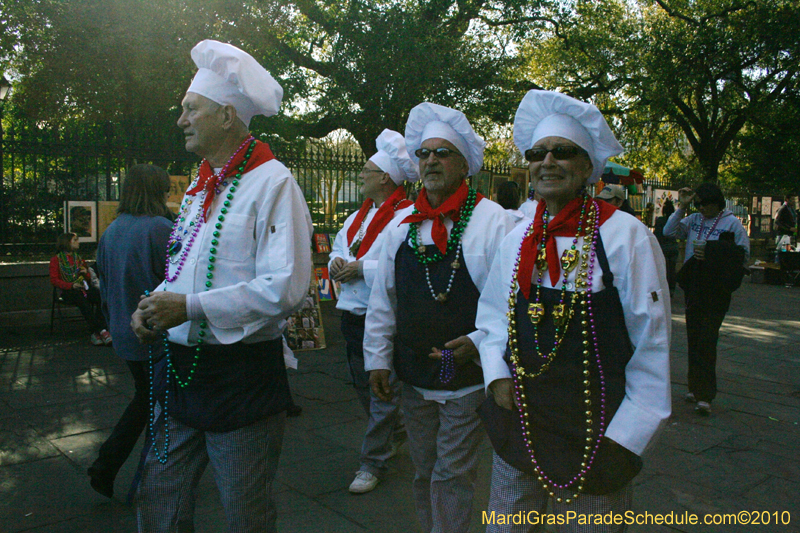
(561, 153)
(440, 153)
(703, 203)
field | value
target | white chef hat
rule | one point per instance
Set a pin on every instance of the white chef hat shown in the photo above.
(230, 76)
(429, 121)
(392, 157)
(550, 114)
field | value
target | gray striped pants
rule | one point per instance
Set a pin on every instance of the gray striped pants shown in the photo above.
(245, 461)
(514, 492)
(443, 440)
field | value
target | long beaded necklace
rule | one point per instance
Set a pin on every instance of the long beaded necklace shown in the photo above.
(711, 229)
(590, 344)
(359, 237)
(180, 230)
(454, 241)
(202, 325)
(564, 310)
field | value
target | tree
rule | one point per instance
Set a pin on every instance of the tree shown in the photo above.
(767, 154)
(705, 67)
(355, 65)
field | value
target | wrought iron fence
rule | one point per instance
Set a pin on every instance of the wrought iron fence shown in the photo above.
(41, 169)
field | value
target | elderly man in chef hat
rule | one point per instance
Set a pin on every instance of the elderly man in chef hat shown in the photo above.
(421, 314)
(353, 262)
(238, 264)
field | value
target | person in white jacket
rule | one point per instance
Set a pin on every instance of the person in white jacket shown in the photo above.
(353, 262)
(238, 263)
(576, 324)
(421, 315)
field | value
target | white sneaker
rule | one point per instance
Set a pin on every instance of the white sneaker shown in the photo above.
(364, 482)
(703, 408)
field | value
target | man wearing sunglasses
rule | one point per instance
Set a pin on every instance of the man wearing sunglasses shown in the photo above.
(421, 314)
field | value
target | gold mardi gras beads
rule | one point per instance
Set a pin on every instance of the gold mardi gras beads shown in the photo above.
(541, 260)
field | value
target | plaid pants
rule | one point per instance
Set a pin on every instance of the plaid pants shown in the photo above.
(245, 461)
(514, 491)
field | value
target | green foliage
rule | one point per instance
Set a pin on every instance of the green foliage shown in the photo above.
(704, 68)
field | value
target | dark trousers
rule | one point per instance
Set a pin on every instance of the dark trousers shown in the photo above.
(704, 318)
(119, 445)
(88, 305)
(353, 332)
(671, 258)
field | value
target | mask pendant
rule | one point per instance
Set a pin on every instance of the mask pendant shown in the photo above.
(536, 312)
(569, 260)
(560, 315)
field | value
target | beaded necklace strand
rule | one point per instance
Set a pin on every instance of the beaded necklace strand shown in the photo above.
(70, 272)
(711, 229)
(201, 333)
(454, 241)
(590, 343)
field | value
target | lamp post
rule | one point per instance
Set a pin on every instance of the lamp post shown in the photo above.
(4, 88)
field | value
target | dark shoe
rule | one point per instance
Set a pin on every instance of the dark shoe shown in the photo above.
(294, 410)
(101, 482)
(689, 398)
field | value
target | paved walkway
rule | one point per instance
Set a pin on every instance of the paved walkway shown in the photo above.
(59, 397)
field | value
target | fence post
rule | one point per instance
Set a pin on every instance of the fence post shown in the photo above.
(109, 133)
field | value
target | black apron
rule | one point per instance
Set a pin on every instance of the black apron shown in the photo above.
(555, 399)
(423, 323)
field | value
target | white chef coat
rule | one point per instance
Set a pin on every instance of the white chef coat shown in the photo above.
(528, 208)
(263, 261)
(640, 277)
(354, 295)
(480, 241)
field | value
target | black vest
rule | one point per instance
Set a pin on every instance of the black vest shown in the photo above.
(555, 399)
(423, 323)
(233, 385)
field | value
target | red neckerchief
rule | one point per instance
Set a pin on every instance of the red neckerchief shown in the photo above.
(385, 214)
(451, 208)
(564, 224)
(261, 154)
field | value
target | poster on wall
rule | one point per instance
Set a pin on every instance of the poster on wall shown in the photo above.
(766, 205)
(776, 206)
(662, 195)
(106, 214)
(177, 188)
(80, 218)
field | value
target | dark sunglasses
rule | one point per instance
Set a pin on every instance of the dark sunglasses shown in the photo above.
(440, 153)
(561, 153)
(703, 203)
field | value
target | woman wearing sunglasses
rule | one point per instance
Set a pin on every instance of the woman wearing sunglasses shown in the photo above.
(577, 324)
(716, 248)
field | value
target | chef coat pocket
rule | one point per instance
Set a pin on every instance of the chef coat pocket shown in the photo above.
(277, 244)
(237, 240)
